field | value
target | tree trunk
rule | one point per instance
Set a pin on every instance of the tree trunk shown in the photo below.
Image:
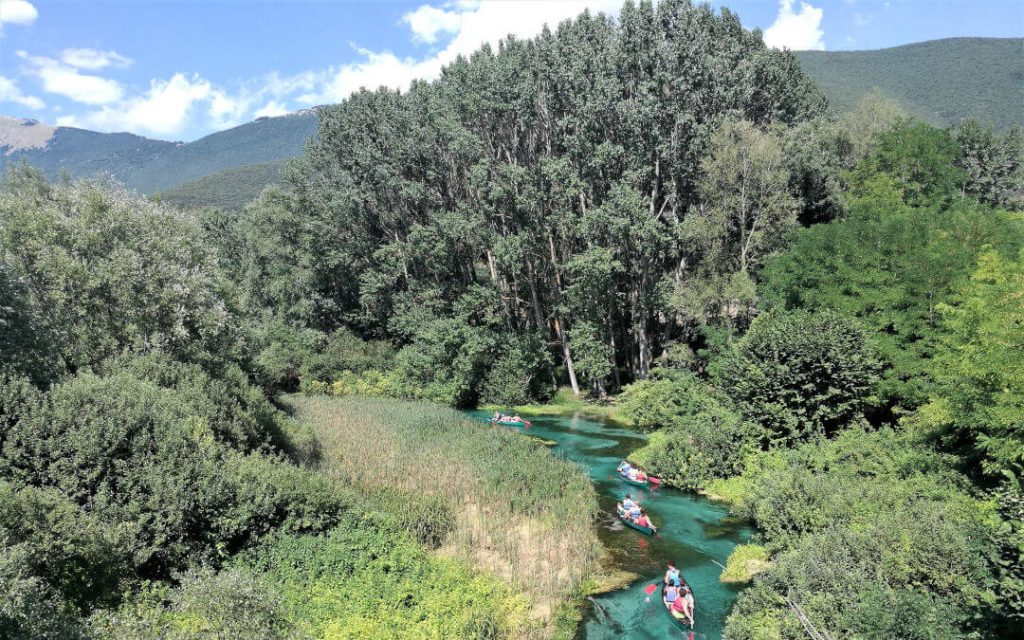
(567, 356)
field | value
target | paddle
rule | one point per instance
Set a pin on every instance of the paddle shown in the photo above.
(651, 588)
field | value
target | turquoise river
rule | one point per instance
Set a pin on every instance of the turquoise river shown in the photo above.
(694, 532)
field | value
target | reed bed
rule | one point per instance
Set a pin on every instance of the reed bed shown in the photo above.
(511, 506)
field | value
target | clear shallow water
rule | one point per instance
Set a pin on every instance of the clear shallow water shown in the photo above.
(695, 533)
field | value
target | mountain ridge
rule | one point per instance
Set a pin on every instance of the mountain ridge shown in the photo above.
(148, 165)
(940, 81)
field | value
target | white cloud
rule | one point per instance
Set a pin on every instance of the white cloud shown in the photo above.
(487, 21)
(427, 21)
(17, 12)
(9, 92)
(65, 80)
(271, 109)
(798, 31)
(164, 109)
(92, 59)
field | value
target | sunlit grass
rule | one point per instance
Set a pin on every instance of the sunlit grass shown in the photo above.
(512, 506)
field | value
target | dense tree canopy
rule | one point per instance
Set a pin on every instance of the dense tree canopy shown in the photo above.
(560, 179)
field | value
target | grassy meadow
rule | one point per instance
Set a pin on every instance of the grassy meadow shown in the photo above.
(485, 495)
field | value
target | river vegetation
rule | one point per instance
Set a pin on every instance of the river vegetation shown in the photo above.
(816, 317)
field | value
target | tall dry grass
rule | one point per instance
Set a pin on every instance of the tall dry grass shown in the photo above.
(512, 507)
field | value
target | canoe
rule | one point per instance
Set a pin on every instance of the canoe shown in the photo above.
(683, 624)
(510, 423)
(650, 531)
(636, 483)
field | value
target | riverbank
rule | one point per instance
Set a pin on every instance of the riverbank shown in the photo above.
(484, 495)
(564, 404)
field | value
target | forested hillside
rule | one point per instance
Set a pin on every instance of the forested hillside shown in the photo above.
(816, 318)
(230, 189)
(150, 166)
(943, 82)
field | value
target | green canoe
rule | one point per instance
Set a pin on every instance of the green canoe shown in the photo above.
(629, 523)
(636, 483)
(682, 623)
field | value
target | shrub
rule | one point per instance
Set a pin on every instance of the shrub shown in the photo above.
(341, 351)
(515, 377)
(873, 536)
(361, 581)
(147, 459)
(707, 445)
(113, 272)
(745, 561)
(79, 556)
(29, 608)
(667, 399)
(230, 604)
(800, 374)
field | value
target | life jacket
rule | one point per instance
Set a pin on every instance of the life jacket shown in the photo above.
(677, 604)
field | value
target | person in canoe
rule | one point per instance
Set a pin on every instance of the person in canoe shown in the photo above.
(672, 576)
(669, 595)
(634, 512)
(624, 468)
(682, 606)
(643, 521)
(627, 502)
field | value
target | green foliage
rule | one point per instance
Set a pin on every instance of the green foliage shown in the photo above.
(1008, 539)
(889, 266)
(24, 345)
(342, 351)
(919, 161)
(111, 272)
(666, 399)
(978, 406)
(516, 376)
(29, 609)
(993, 165)
(157, 463)
(940, 81)
(873, 513)
(76, 554)
(410, 207)
(230, 604)
(800, 375)
(362, 582)
(745, 561)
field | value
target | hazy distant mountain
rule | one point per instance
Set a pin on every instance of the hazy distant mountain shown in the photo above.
(941, 81)
(152, 165)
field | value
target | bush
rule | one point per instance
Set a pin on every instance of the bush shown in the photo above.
(361, 581)
(341, 351)
(29, 608)
(148, 459)
(79, 556)
(708, 445)
(873, 536)
(113, 272)
(800, 374)
(745, 561)
(667, 399)
(229, 604)
(515, 377)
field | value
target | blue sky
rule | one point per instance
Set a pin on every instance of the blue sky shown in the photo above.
(180, 70)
